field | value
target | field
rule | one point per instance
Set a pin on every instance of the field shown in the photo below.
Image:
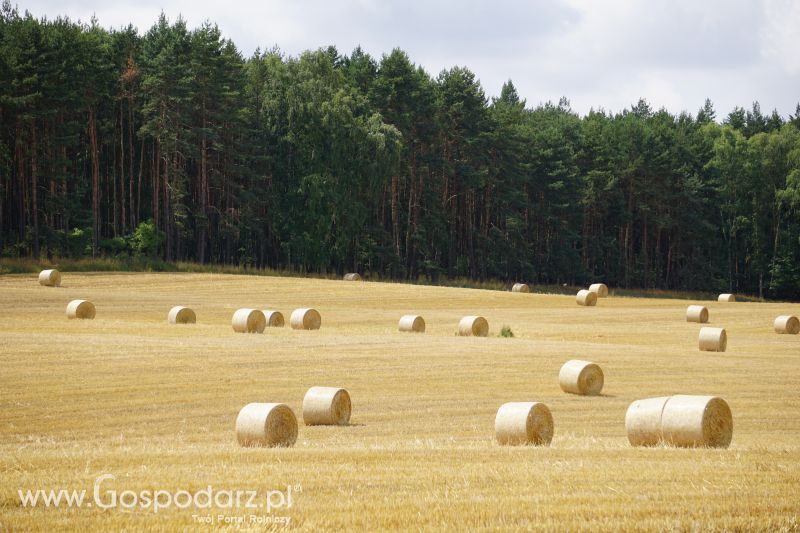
(154, 405)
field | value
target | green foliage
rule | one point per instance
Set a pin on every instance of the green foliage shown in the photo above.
(146, 239)
(506, 332)
(327, 162)
(785, 277)
(79, 242)
(115, 246)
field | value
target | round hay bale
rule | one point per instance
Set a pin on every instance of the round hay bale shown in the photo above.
(305, 319)
(600, 289)
(473, 326)
(587, 298)
(352, 276)
(181, 315)
(696, 421)
(686, 421)
(523, 423)
(326, 406)
(520, 287)
(697, 313)
(50, 278)
(274, 318)
(248, 321)
(581, 377)
(787, 324)
(643, 421)
(713, 340)
(726, 298)
(413, 323)
(266, 424)
(80, 309)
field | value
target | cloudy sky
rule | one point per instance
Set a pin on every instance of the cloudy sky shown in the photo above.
(598, 53)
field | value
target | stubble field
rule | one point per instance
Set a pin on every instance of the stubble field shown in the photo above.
(154, 405)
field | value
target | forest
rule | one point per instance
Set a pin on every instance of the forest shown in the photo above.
(170, 144)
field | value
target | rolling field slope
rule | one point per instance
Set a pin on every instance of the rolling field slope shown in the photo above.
(154, 405)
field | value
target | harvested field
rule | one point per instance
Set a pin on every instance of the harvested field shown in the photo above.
(155, 406)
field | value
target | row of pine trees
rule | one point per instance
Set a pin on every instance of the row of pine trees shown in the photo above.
(172, 144)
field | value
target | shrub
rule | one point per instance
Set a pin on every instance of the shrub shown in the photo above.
(146, 239)
(79, 242)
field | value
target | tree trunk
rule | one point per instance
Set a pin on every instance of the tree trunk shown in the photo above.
(167, 203)
(122, 194)
(133, 209)
(775, 241)
(156, 188)
(64, 189)
(21, 210)
(95, 180)
(111, 184)
(645, 255)
(469, 217)
(729, 239)
(35, 189)
(670, 246)
(3, 188)
(139, 186)
(51, 185)
(203, 193)
(395, 215)
(411, 228)
(657, 256)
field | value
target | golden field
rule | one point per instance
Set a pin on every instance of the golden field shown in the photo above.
(154, 405)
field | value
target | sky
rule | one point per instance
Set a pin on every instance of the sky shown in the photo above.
(600, 54)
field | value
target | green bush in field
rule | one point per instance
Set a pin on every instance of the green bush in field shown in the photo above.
(506, 332)
(146, 239)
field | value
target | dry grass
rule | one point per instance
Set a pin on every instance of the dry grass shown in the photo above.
(155, 405)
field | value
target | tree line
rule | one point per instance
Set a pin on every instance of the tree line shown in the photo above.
(172, 144)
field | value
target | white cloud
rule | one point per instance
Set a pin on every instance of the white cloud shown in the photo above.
(780, 36)
(598, 53)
